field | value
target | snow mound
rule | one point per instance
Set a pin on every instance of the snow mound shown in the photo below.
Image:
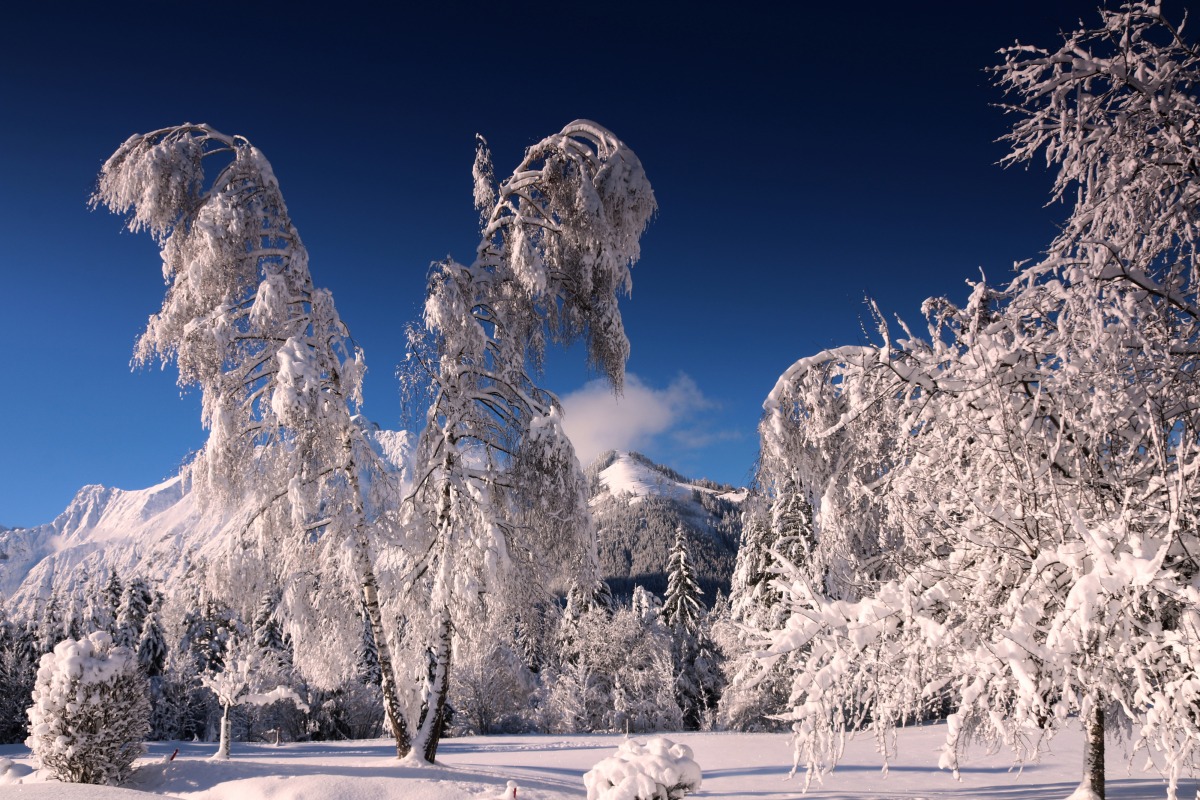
(656, 770)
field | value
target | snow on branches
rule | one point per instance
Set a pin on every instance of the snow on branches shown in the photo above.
(90, 712)
(280, 380)
(1004, 514)
(497, 485)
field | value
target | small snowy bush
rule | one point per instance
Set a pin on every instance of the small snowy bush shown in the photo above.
(90, 713)
(656, 770)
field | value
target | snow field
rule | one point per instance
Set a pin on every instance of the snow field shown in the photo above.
(752, 766)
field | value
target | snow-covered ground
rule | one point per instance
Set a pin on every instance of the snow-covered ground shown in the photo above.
(551, 768)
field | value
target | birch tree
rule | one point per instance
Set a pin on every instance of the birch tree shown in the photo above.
(279, 376)
(498, 490)
(1028, 496)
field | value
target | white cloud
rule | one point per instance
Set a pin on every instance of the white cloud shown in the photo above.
(597, 421)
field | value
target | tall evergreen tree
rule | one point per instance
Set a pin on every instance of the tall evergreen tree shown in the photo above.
(152, 646)
(267, 634)
(682, 607)
(131, 616)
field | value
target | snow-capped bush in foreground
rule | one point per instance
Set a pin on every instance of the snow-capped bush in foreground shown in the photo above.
(90, 713)
(656, 770)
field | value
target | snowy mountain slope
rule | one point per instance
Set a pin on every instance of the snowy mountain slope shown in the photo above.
(154, 532)
(637, 506)
(638, 477)
(157, 533)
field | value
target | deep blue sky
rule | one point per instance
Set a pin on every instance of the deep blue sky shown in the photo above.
(802, 159)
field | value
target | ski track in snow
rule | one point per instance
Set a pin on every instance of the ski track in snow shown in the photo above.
(546, 767)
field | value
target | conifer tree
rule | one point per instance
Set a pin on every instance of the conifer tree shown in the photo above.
(267, 633)
(367, 669)
(682, 607)
(113, 592)
(132, 613)
(152, 646)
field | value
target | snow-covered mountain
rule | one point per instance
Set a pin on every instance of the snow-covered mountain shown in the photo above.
(159, 533)
(154, 532)
(638, 505)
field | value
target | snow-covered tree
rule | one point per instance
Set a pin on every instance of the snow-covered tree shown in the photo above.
(132, 611)
(89, 713)
(616, 673)
(698, 681)
(267, 633)
(781, 524)
(279, 377)
(497, 486)
(682, 607)
(243, 680)
(18, 668)
(152, 646)
(1004, 510)
(492, 686)
(646, 605)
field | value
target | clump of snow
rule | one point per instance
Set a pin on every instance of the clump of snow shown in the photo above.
(90, 713)
(656, 770)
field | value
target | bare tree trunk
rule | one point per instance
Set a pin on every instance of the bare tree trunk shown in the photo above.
(430, 733)
(439, 689)
(387, 672)
(223, 747)
(370, 595)
(1093, 754)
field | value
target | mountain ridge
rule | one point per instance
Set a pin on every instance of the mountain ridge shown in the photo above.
(160, 533)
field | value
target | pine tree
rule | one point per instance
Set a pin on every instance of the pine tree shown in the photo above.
(18, 668)
(367, 669)
(152, 646)
(112, 593)
(697, 681)
(267, 633)
(131, 616)
(752, 694)
(682, 606)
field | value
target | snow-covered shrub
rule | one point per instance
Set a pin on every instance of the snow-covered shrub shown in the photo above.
(656, 770)
(90, 714)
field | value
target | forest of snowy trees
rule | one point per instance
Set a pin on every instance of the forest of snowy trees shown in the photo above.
(989, 520)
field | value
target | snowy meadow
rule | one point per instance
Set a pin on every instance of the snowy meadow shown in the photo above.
(552, 767)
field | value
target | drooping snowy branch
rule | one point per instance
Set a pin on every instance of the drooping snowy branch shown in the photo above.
(280, 380)
(1003, 507)
(497, 488)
